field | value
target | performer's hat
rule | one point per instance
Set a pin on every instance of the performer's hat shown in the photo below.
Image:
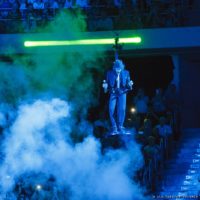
(118, 64)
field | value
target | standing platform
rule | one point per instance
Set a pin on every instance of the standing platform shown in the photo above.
(117, 141)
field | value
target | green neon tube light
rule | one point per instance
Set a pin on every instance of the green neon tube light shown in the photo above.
(135, 40)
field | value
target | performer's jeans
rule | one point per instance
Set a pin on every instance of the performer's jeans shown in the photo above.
(117, 101)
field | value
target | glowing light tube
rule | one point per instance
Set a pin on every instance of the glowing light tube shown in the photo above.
(134, 40)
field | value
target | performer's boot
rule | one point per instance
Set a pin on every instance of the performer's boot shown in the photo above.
(114, 131)
(121, 130)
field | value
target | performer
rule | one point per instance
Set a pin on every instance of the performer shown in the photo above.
(117, 83)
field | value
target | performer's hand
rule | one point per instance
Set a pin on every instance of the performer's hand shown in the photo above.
(130, 84)
(105, 85)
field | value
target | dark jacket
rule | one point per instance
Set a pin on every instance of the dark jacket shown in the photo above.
(111, 80)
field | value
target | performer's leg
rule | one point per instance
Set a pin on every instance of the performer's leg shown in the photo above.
(112, 105)
(121, 110)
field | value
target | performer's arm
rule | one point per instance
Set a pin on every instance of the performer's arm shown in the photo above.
(105, 84)
(129, 81)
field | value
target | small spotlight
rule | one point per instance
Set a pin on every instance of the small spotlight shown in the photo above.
(133, 110)
(38, 187)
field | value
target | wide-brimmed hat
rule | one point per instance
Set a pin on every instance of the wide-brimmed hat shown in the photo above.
(118, 64)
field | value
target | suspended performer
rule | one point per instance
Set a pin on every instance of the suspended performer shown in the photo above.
(117, 83)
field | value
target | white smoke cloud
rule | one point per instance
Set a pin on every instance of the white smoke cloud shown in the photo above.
(38, 142)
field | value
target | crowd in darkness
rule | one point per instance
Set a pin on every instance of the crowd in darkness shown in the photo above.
(155, 123)
(101, 15)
